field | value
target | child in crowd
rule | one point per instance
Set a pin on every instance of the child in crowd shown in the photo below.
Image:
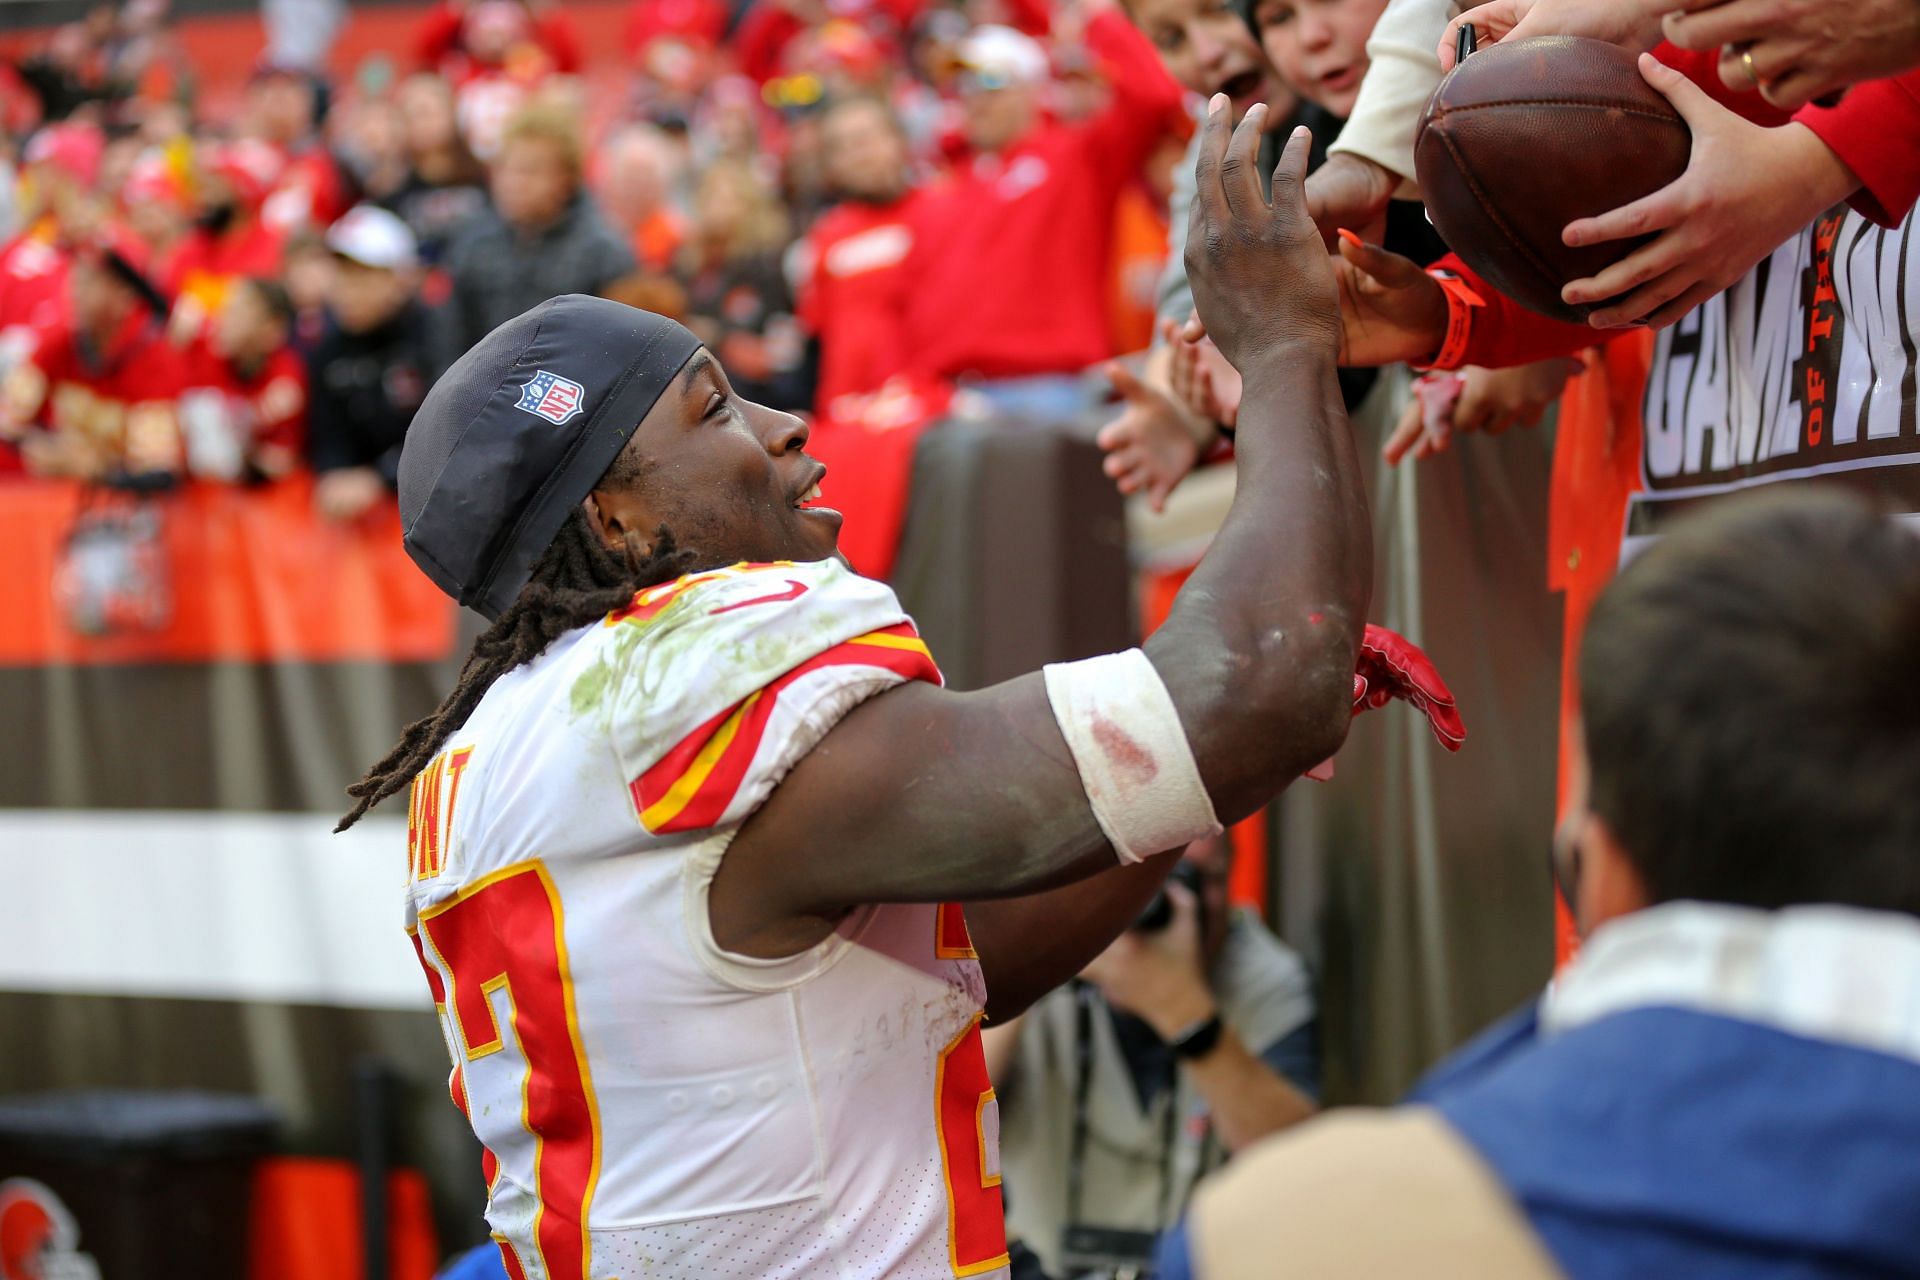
(244, 412)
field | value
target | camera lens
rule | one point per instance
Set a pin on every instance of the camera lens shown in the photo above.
(1156, 915)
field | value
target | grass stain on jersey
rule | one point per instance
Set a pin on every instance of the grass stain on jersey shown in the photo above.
(684, 645)
(591, 687)
(595, 689)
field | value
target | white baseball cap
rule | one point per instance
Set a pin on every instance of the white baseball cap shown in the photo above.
(373, 237)
(1000, 56)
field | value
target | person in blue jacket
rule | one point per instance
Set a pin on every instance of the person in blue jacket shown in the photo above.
(1726, 1080)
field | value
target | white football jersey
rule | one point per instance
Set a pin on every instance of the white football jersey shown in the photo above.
(651, 1105)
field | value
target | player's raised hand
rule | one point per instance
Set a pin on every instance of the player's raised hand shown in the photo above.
(1262, 283)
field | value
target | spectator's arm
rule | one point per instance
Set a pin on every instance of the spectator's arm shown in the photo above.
(1161, 977)
(1875, 130)
(282, 407)
(1504, 333)
(23, 396)
(1402, 72)
(153, 455)
(1246, 1096)
(1392, 311)
(1748, 188)
(1794, 52)
(1703, 68)
(1156, 440)
(1147, 104)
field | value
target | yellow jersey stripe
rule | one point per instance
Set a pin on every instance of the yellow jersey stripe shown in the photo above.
(687, 785)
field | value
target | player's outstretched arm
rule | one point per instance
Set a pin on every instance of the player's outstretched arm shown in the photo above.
(1283, 589)
(1299, 487)
(922, 794)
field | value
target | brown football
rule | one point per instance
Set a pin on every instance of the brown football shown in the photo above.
(1525, 136)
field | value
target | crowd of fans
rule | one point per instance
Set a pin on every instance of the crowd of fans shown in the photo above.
(235, 296)
(969, 204)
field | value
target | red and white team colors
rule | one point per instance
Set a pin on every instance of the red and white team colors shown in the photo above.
(652, 1105)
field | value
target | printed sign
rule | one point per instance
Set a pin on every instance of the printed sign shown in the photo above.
(1804, 369)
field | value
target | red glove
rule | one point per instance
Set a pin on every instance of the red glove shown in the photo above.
(1392, 666)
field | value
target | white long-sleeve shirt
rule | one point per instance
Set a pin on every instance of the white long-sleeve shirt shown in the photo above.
(1402, 72)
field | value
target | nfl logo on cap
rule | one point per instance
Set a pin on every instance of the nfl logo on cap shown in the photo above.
(550, 396)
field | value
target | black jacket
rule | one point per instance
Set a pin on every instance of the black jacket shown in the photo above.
(497, 272)
(364, 389)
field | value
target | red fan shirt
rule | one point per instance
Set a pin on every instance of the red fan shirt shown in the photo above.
(33, 282)
(204, 267)
(1012, 253)
(120, 401)
(310, 195)
(852, 292)
(229, 417)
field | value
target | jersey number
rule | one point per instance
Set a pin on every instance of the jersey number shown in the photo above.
(967, 1117)
(501, 943)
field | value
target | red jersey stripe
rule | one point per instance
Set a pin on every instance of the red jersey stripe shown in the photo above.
(686, 792)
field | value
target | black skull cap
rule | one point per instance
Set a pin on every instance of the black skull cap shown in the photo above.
(517, 433)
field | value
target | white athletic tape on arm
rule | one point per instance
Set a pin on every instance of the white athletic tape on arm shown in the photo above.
(1133, 757)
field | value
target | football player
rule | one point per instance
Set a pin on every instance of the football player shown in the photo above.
(689, 843)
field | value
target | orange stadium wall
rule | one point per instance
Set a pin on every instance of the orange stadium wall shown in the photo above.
(180, 916)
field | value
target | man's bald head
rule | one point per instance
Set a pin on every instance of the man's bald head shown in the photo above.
(638, 168)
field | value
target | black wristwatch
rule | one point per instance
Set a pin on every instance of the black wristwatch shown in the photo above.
(1199, 1040)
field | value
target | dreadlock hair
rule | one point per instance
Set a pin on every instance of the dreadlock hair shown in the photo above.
(577, 580)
